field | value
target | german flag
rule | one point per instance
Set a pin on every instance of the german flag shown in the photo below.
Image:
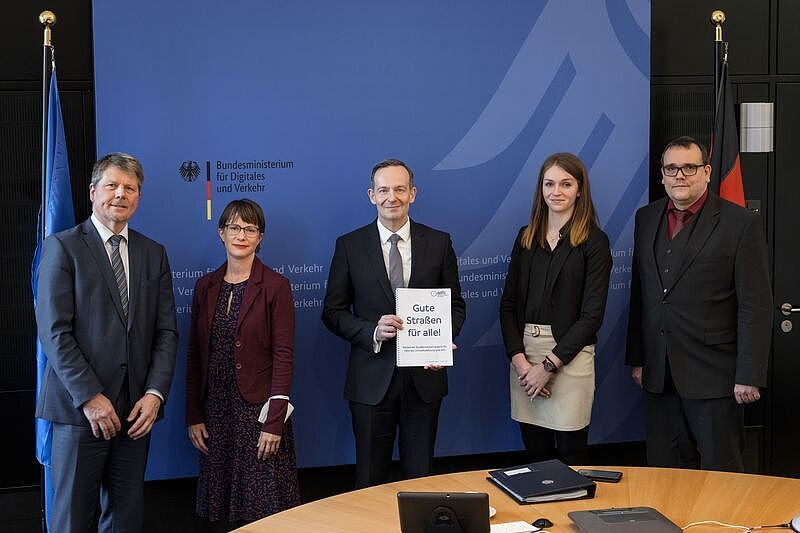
(726, 170)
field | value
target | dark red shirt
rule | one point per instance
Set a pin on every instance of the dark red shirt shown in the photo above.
(673, 213)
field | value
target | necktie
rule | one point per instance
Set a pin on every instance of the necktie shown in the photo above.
(119, 272)
(395, 263)
(681, 217)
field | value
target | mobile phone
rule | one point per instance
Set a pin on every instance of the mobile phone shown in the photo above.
(609, 476)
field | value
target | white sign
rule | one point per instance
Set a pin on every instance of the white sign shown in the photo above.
(427, 334)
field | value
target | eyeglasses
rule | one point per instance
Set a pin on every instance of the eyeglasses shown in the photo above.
(234, 230)
(686, 170)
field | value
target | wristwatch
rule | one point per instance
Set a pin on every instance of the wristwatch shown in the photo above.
(549, 365)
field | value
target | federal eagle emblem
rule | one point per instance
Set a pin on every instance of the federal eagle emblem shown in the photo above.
(189, 170)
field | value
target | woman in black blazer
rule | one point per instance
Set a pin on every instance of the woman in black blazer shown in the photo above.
(551, 309)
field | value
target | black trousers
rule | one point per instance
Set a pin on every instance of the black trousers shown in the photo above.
(683, 433)
(571, 447)
(375, 428)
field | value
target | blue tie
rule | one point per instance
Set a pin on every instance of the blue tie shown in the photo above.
(119, 272)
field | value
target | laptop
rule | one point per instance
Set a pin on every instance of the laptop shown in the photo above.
(638, 519)
(419, 511)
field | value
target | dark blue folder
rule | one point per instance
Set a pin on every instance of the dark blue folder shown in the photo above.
(542, 482)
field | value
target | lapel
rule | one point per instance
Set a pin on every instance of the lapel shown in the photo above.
(647, 233)
(98, 251)
(374, 255)
(212, 294)
(135, 262)
(252, 291)
(419, 246)
(558, 262)
(526, 262)
(707, 221)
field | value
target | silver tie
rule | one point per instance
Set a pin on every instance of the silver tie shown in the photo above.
(119, 272)
(395, 263)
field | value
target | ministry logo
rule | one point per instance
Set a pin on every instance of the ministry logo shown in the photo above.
(189, 170)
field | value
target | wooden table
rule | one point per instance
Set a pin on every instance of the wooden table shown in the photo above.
(684, 496)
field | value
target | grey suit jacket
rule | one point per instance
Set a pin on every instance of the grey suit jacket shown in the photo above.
(80, 323)
(715, 320)
(359, 293)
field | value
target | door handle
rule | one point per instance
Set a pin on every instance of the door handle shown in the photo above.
(787, 309)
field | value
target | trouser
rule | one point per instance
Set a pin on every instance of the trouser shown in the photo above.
(90, 473)
(375, 428)
(684, 433)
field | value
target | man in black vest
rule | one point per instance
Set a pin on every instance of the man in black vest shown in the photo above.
(700, 316)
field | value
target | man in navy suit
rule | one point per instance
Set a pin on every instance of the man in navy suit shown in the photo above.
(700, 316)
(105, 314)
(367, 265)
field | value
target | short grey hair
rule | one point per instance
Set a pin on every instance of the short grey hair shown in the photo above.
(122, 161)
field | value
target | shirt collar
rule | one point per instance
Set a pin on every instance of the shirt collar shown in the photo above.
(106, 233)
(404, 232)
(694, 208)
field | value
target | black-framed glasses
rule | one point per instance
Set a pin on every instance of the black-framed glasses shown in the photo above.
(235, 229)
(687, 170)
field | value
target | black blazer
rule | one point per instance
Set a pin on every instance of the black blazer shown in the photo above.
(715, 321)
(579, 293)
(359, 293)
(82, 329)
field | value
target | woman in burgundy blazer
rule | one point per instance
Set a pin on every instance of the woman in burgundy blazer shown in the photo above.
(239, 370)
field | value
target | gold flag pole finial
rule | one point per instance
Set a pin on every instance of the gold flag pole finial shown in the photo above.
(717, 18)
(48, 18)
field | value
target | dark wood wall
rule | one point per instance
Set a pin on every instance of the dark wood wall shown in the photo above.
(764, 65)
(763, 58)
(20, 177)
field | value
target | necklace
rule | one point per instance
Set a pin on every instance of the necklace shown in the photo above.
(553, 238)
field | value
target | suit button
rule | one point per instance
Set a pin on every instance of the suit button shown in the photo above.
(666, 270)
(661, 332)
(238, 344)
(669, 250)
(238, 366)
(665, 291)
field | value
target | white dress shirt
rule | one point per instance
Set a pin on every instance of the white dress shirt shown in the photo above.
(105, 235)
(404, 247)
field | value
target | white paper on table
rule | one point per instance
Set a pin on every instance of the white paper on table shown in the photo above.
(427, 334)
(513, 527)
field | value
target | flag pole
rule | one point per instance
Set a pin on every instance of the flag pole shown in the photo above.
(717, 18)
(48, 19)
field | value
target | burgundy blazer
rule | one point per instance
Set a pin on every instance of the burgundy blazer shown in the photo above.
(263, 343)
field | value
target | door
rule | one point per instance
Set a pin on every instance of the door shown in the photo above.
(784, 393)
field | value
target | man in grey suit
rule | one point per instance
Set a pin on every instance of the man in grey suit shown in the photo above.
(105, 314)
(368, 264)
(700, 316)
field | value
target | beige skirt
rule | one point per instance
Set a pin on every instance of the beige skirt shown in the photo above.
(569, 406)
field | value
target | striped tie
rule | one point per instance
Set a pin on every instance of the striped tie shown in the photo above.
(119, 272)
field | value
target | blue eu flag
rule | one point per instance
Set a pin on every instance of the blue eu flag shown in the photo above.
(58, 216)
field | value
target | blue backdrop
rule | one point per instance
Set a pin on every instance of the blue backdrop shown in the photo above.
(291, 103)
